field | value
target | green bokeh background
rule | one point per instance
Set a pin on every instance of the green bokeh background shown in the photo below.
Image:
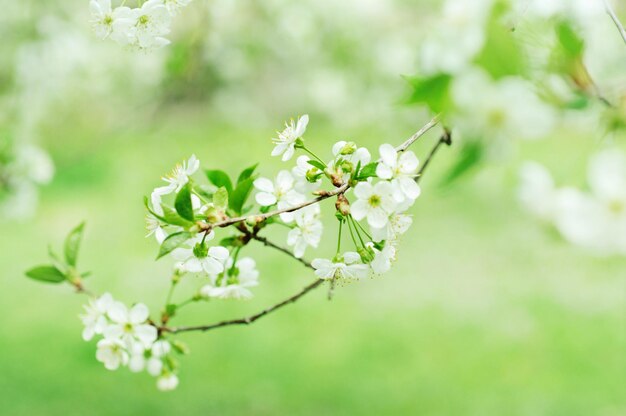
(485, 313)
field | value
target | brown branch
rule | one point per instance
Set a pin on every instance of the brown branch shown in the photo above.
(444, 139)
(247, 320)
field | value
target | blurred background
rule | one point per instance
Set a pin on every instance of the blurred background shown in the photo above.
(486, 312)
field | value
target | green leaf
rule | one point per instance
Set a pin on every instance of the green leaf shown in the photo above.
(573, 45)
(233, 241)
(317, 164)
(183, 203)
(240, 195)
(220, 198)
(368, 171)
(154, 214)
(246, 173)
(220, 179)
(72, 244)
(434, 91)
(471, 154)
(48, 274)
(172, 242)
(170, 216)
(502, 55)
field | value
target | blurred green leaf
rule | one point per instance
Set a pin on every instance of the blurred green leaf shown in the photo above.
(433, 91)
(220, 198)
(48, 274)
(317, 164)
(572, 44)
(220, 178)
(241, 194)
(233, 241)
(471, 154)
(72, 244)
(172, 242)
(502, 54)
(183, 203)
(247, 173)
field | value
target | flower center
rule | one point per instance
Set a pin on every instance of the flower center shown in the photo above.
(128, 328)
(374, 201)
(108, 20)
(496, 117)
(144, 19)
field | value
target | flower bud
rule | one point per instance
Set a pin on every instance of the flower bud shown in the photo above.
(342, 205)
(313, 175)
(200, 250)
(367, 254)
(346, 166)
(299, 143)
(348, 149)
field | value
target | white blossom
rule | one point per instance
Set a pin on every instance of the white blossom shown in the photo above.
(382, 258)
(308, 230)
(375, 202)
(347, 152)
(167, 382)
(300, 171)
(112, 353)
(400, 169)
(280, 192)
(150, 359)
(397, 225)
(234, 283)
(211, 263)
(178, 178)
(537, 191)
(95, 317)
(285, 143)
(174, 6)
(348, 266)
(105, 20)
(130, 326)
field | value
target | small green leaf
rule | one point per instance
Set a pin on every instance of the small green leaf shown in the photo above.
(170, 309)
(434, 91)
(471, 154)
(72, 244)
(172, 242)
(502, 54)
(573, 45)
(220, 198)
(317, 164)
(170, 216)
(240, 195)
(183, 203)
(246, 173)
(220, 179)
(234, 241)
(154, 214)
(368, 171)
(48, 274)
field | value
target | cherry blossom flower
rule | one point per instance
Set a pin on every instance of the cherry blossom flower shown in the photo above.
(167, 382)
(375, 202)
(348, 266)
(194, 260)
(95, 317)
(150, 359)
(280, 192)
(112, 353)
(234, 283)
(130, 325)
(308, 230)
(285, 143)
(400, 169)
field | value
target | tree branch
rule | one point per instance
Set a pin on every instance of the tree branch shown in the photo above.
(618, 24)
(444, 139)
(323, 194)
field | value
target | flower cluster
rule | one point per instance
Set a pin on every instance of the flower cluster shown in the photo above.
(594, 220)
(143, 27)
(129, 340)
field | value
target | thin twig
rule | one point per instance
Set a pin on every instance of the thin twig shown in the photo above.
(618, 24)
(324, 195)
(248, 320)
(444, 139)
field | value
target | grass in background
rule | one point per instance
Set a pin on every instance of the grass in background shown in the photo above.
(484, 314)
